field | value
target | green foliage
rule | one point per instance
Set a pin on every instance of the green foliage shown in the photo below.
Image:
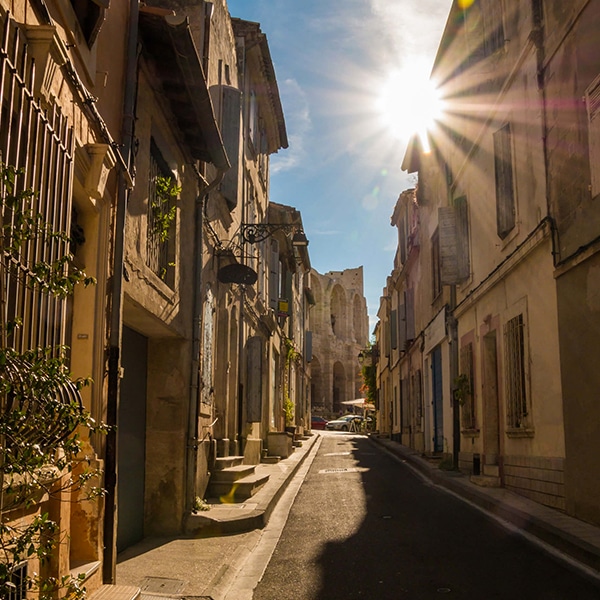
(462, 388)
(163, 206)
(59, 277)
(200, 505)
(41, 417)
(288, 410)
(291, 356)
(368, 372)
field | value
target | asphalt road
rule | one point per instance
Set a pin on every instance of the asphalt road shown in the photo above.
(365, 526)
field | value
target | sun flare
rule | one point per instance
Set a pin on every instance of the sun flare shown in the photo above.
(410, 103)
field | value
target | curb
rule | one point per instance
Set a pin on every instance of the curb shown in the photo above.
(577, 539)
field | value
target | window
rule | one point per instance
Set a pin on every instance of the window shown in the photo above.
(516, 377)
(505, 196)
(435, 265)
(417, 395)
(592, 102)
(485, 28)
(394, 329)
(42, 144)
(455, 265)
(404, 405)
(467, 388)
(160, 247)
(90, 15)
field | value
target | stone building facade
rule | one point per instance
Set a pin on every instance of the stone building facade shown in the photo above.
(497, 247)
(149, 128)
(339, 325)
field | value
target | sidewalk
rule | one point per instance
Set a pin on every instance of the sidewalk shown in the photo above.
(577, 539)
(198, 567)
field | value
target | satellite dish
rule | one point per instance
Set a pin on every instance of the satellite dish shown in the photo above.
(236, 273)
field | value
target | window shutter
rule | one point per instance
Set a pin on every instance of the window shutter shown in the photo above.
(230, 130)
(402, 325)
(592, 101)
(410, 314)
(448, 250)
(274, 268)
(394, 329)
(505, 200)
(462, 238)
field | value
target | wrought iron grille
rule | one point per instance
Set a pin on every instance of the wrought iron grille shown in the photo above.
(516, 388)
(19, 579)
(158, 252)
(41, 143)
(468, 415)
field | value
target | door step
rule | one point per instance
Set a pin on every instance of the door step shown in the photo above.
(225, 462)
(236, 490)
(486, 480)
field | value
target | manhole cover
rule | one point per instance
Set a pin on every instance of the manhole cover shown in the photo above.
(161, 586)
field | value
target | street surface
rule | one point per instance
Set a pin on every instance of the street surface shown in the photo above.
(365, 526)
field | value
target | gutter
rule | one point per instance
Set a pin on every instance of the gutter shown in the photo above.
(194, 439)
(116, 298)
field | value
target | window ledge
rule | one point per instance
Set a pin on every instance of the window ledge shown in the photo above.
(470, 433)
(520, 432)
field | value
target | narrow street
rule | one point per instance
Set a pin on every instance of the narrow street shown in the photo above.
(363, 525)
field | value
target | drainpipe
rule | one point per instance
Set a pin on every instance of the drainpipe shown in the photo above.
(452, 325)
(194, 440)
(116, 297)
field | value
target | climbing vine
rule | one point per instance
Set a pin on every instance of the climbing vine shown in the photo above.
(42, 420)
(291, 356)
(164, 209)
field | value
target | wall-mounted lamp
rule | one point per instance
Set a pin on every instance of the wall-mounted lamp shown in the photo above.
(253, 233)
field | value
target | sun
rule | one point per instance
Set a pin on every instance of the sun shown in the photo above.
(409, 103)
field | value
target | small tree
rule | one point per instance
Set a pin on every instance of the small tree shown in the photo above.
(291, 356)
(368, 373)
(41, 415)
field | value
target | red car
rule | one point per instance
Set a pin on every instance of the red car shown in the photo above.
(318, 422)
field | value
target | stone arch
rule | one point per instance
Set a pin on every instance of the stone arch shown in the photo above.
(339, 387)
(358, 320)
(318, 393)
(338, 311)
(316, 288)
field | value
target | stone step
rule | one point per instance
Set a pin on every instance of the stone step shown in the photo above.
(226, 462)
(491, 470)
(297, 444)
(486, 480)
(231, 474)
(270, 460)
(242, 489)
(116, 592)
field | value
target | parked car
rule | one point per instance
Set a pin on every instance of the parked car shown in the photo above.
(345, 423)
(318, 422)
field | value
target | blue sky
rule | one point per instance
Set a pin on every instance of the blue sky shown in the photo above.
(333, 59)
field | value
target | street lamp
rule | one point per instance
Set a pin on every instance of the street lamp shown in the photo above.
(258, 232)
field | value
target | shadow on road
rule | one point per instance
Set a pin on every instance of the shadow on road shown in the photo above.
(415, 541)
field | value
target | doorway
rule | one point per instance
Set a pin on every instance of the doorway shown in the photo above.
(491, 413)
(131, 434)
(437, 399)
